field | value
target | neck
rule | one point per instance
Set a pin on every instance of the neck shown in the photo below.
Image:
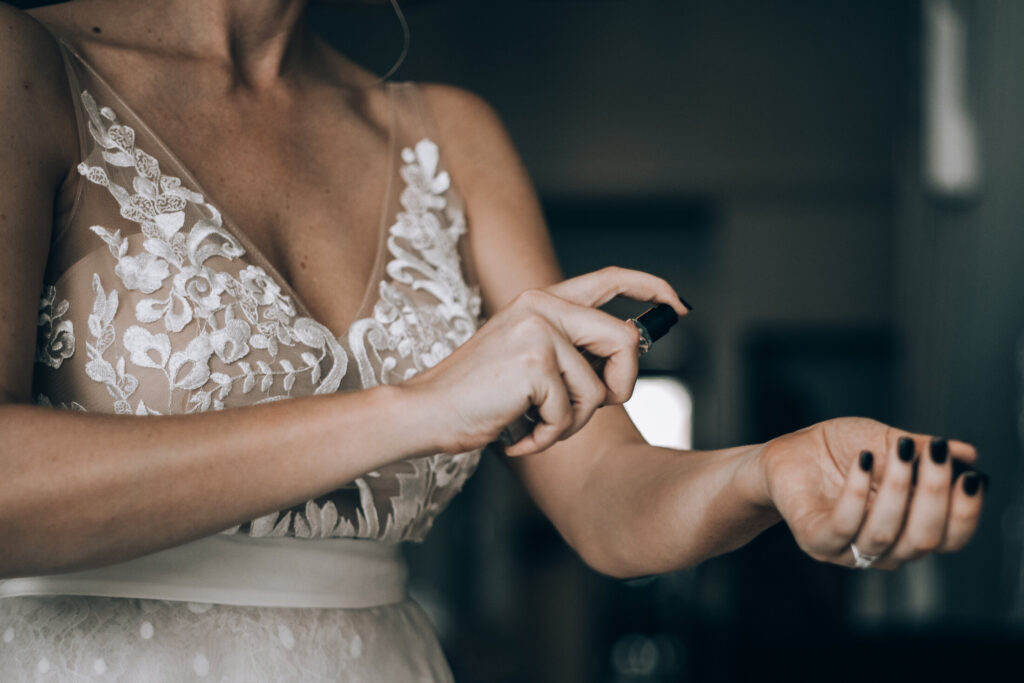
(257, 41)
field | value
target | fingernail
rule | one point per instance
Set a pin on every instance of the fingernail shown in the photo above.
(905, 448)
(685, 303)
(971, 483)
(866, 460)
(939, 449)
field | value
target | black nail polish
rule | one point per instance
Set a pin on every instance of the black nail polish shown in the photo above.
(866, 461)
(939, 449)
(905, 448)
(971, 483)
(685, 303)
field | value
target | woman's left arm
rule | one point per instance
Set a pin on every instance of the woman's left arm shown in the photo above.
(629, 508)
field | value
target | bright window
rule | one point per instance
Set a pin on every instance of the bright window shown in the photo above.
(662, 409)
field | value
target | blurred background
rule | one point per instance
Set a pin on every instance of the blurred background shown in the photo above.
(838, 188)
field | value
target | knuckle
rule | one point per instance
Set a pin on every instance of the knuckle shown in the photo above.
(925, 543)
(663, 284)
(617, 394)
(625, 394)
(531, 297)
(843, 527)
(965, 519)
(531, 326)
(937, 488)
(535, 360)
(593, 395)
(881, 539)
(897, 479)
(563, 421)
(965, 515)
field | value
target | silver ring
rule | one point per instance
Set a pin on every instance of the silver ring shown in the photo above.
(862, 560)
(645, 337)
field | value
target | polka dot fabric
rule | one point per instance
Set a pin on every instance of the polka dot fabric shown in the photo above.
(62, 638)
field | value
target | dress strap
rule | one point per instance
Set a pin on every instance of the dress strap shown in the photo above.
(75, 90)
(417, 120)
(69, 195)
(239, 570)
(419, 124)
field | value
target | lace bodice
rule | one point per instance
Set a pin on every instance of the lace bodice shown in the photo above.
(156, 303)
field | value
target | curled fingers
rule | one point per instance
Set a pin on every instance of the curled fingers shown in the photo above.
(565, 393)
(964, 510)
(889, 507)
(598, 334)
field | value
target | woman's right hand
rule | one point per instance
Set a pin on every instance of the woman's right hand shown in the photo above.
(528, 353)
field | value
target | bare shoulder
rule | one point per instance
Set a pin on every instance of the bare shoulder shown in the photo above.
(477, 145)
(464, 118)
(511, 249)
(29, 50)
(36, 98)
(453, 101)
(480, 150)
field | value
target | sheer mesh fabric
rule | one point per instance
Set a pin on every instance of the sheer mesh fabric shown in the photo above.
(155, 303)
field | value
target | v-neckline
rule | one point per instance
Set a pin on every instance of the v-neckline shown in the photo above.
(252, 251)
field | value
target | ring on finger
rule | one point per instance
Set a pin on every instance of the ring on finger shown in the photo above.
(862, 560)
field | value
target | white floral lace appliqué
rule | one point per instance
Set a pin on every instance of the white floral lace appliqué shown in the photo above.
(193, 313)
(56, 338)
(232, 314)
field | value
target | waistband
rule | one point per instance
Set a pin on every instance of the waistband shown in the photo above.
(239, 570)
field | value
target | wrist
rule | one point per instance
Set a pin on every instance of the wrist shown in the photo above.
(752, 477)
(413, 418)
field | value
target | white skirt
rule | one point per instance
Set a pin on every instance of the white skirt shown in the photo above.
(70, 628)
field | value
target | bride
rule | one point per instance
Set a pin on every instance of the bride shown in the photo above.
(253, 338)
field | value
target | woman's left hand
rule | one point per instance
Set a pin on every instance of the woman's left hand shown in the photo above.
(890, 493)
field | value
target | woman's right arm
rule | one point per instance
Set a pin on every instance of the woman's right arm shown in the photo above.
(80, 490)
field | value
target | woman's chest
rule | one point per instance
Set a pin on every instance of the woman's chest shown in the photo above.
(174, 291)
(308, 182)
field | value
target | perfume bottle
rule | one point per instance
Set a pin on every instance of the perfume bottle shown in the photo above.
(652, 325)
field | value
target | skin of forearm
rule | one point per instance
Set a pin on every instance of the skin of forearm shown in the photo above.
(648, 510)
(84, 490)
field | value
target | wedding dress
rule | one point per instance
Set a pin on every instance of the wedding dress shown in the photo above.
(155, 303)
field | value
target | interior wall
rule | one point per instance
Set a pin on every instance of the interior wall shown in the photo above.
(959, 311)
